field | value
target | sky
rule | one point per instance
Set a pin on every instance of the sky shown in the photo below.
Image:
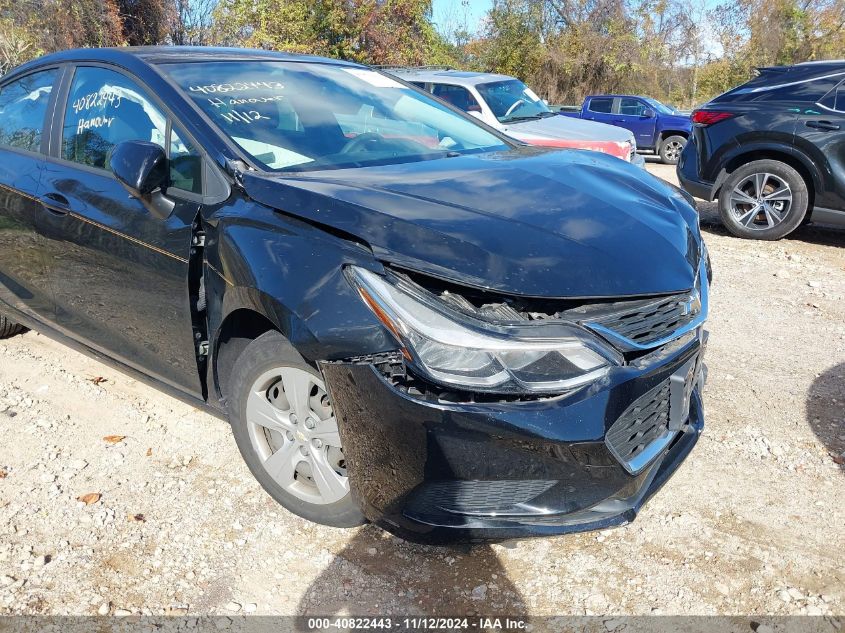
(456, 13)
(474, 10)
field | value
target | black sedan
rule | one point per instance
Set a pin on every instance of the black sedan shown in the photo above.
(406, 317)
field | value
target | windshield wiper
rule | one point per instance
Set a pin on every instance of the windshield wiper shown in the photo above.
(532, 117)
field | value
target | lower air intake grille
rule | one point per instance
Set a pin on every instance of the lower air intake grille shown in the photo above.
(478, 497)
(642, 430)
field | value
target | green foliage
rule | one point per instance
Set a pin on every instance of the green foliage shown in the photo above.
(370, 31)
(677, 50)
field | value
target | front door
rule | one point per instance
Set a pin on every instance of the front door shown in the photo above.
(632, 116)
(24, 104)
(120, 275)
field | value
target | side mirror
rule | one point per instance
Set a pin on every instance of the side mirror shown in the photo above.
(476, 114)
(648, 113)
(141, 167)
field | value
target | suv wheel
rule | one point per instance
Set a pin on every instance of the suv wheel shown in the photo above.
(671, 148)
(285, 429)
(9, 328)
(763, 200)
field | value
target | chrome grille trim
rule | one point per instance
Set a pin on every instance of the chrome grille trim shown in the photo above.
(645, 325)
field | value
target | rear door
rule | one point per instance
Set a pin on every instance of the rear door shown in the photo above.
(631, 114)
(24, 106)
(820, 133)
(119, 274)
(599, 109)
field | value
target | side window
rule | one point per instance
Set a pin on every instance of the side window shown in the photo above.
(835, 99)
(806, 91)
(631, 107)
(105, 108)
(23, 107)
(602, 105)
(458, 96)
(185, 165)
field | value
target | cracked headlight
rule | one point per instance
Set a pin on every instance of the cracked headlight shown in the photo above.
(457, 350)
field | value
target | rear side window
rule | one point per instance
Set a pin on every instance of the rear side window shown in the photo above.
(23, 108)
(601, 105)
(835, 99)
(782, 86)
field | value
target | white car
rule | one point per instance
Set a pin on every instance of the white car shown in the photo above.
(507, 104)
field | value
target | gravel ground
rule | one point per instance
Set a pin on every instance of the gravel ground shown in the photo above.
(171, 522)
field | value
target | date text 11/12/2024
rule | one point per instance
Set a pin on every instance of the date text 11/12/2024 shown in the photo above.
(417, 623)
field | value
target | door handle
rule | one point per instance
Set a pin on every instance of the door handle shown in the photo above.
(55, 203)
(822, 125)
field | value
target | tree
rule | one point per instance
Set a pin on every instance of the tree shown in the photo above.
(80, 23)
(145, 21)
(372, 31)
(191, 22)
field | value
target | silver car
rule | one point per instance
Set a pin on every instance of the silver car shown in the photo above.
(507, 104)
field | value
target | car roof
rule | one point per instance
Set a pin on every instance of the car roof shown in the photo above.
(171, 54)
(806, 69)
(620, 96)
(447, 75)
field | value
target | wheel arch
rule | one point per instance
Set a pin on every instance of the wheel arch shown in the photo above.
(797, 161)
(238, 329)
(670, 132)
(256, 282)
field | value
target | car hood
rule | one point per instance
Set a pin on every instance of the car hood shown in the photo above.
(528, 221)
(566, 128)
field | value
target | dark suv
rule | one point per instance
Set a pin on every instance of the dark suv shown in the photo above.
(772, 151)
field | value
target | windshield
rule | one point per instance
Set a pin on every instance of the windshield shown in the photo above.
(297, 116)
(661, 108)
(512, 100)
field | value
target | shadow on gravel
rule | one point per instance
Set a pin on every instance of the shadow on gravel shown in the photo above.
(378, 574)
(826, 411)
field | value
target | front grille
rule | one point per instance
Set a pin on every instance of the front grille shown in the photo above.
(642, 430)
(477, 497)
(645, 323)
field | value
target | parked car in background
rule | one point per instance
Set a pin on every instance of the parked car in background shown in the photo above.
(772, 151)
(406, 317)
(656, 127)
(508, 105)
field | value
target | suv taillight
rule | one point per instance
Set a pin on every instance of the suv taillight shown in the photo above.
(709, 117)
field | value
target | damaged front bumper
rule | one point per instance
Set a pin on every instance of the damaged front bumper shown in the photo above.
(440, 471)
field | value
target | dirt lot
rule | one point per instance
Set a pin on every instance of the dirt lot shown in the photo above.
(753, 523)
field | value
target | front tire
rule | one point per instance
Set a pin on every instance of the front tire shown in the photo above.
(763, 200)
(286, 432)
(9, 328)
(671, 148)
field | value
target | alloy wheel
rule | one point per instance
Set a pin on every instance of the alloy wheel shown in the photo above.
(761, 201)
(673, 151)
(294, 432)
